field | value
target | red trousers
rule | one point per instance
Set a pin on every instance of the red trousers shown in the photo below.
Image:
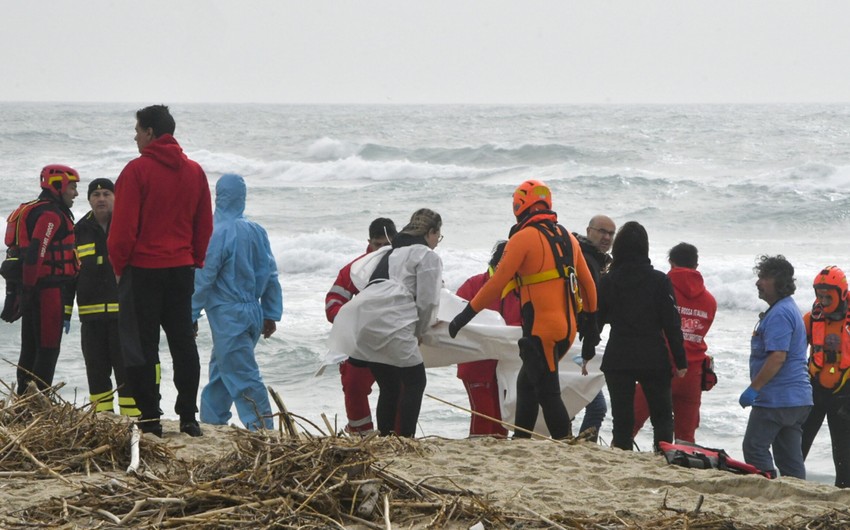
(479, 379)
(356, 386)
(687, 397)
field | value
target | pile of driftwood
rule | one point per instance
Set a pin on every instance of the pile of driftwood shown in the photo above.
(273, 479)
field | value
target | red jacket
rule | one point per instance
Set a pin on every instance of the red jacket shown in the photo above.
(163, 214)
(696, 307)
(508, 307)
(342, 290)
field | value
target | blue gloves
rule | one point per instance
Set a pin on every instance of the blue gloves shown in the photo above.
(460, 320)
(67, 326)
(748, 397)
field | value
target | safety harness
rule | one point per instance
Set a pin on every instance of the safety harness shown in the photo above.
(829, 364)
(562, 251)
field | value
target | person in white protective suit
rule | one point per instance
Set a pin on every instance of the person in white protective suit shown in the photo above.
(240, 292)
(391, 315)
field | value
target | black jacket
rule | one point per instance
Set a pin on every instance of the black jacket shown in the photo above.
(597, 261)
(96, 290)
(639, 304)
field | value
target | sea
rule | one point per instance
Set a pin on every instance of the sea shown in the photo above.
(737, 181)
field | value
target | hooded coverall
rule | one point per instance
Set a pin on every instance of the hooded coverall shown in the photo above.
(239, 289)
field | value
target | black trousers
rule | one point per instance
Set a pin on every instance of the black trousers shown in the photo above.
(150, 299)
(659, 397)
(836, 410)
(41, 334)
(400, 393)
(538, 388)
(102, 354)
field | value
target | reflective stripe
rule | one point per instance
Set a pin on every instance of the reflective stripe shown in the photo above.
(97, 308)
(158, 373)
(333, 303)
(102, 401)
(127, 405)
(361, 422)
(112, 308)
(69, 309)
(85, 250)
(342, 291)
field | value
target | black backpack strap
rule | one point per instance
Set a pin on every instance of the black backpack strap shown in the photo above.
(382, 271)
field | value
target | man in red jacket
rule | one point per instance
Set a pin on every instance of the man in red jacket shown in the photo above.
(697, 308)
(161, 226)
(357, 381)
(479, 377)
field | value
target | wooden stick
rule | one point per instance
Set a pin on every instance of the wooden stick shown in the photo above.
(285, 418)
(503, 423)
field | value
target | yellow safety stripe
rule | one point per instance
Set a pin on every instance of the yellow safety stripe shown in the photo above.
(102, 401)
(69, 309)
(85, 250)
(128, 406)
(158, 373)
(98, 308)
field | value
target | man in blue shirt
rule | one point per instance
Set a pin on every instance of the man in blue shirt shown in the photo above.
(779, 392)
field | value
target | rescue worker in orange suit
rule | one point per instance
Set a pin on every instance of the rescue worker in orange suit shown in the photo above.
(828, 333)
(97, 301)
(545, 262)
(44, 231)
(357, 381)
(479, 377)
(697, 308)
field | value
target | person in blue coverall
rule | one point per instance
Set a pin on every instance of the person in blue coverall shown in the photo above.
(239, 289)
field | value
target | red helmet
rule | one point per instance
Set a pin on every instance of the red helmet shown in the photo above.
(530, 193)
(56, 173)
(832, 278)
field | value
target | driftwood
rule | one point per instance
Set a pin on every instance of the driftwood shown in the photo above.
(270, 479)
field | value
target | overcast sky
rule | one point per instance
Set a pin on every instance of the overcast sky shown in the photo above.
(425, 51)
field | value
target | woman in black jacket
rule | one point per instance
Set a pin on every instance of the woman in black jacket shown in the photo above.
(638, 303)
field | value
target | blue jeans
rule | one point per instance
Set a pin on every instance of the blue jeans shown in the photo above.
(594, 413)
(779, 428)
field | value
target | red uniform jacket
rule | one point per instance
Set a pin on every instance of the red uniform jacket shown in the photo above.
(163, 213)
(696, 307)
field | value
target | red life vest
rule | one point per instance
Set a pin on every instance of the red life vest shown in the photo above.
(60, 258)
(829, 361)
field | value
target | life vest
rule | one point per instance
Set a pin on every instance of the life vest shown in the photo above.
(698, 457)
(60, 257)
(562, 251)
(829, 361)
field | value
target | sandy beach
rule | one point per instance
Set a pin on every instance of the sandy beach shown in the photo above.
(544, 480)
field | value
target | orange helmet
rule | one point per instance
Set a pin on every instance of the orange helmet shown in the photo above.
(57, 174)
(530, 193)
(832, 278)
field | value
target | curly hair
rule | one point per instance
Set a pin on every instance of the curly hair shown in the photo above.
(780, 269)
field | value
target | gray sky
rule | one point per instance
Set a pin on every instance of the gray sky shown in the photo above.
(425, 51)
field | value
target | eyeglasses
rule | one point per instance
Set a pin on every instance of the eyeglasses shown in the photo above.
(440, 238)
(609, 233)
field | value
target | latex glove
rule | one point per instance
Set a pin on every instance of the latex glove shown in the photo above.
(748, 397)
(67, 325)
(460, 320)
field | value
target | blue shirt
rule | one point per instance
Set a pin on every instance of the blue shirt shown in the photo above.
(782, 329)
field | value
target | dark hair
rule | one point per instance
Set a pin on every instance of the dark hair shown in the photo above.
(780, 269)
(422, 222)
(496, 254)
(157, 118)
(382, 227)
(631, 243)
(684, 255)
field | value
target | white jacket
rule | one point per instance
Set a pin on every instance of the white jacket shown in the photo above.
(384, 322)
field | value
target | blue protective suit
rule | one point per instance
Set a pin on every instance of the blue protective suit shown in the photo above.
(239, 288)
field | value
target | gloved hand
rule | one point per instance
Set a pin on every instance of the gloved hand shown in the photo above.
(748, 397)
(12, 304)
(67, 325)
(460, 320)
(588, 350)
(588, 328)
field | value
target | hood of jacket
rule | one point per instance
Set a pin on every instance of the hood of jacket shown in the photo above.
(230, 193)
(688, 281)
(166, 151)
